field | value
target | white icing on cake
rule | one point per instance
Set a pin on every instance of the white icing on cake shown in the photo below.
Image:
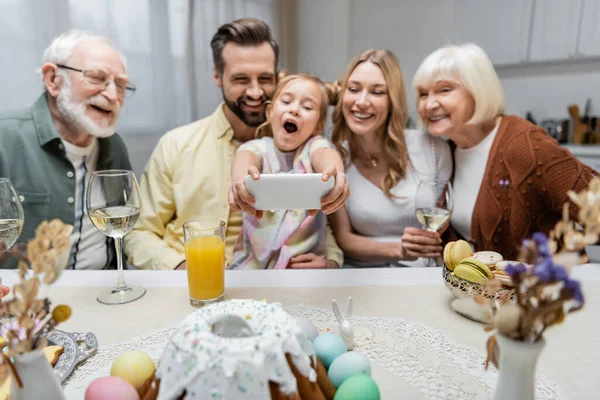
(208, 366)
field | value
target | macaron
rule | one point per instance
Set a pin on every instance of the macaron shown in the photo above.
(455, 252)
(504, 278)
(489, 258)
(500, 272)
(473, 270)
(503, 264)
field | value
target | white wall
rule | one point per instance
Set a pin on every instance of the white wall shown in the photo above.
(322, 39)
(412, 29)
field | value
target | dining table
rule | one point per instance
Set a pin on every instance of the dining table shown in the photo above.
(403, 322)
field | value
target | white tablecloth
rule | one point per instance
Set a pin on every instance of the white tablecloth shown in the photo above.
(571, 358)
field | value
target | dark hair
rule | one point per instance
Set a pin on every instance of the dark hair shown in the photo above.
(245, 32)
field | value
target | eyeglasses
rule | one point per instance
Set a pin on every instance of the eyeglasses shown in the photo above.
(96, 77)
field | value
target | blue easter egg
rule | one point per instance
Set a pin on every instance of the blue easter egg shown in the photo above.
(328, 347)
(358, 387)
(347, 365)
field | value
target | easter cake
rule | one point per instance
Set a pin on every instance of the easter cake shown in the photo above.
(241, 349)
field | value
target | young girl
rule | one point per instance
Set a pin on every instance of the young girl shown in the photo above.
(289, 142)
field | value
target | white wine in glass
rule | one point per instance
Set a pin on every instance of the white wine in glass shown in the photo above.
(114, 221)
(11, 215)
(433, 205)
(432, 218)
(113, 205)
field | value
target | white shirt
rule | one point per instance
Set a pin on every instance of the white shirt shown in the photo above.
(379, 217)
(470, 167)
(89, 246)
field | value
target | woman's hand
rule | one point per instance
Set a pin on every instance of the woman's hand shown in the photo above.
(335, 199)
(395, 251)
(418, 242)
(311, 261)
(4, 290)
(239, 198)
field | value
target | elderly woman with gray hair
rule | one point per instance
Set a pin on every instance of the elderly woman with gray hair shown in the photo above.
(510, 177)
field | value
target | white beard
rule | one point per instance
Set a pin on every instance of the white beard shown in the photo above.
(75, 113)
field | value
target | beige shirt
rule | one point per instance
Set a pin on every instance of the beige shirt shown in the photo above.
(188, 177)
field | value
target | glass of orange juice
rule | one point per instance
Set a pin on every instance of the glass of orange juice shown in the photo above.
(205, 258)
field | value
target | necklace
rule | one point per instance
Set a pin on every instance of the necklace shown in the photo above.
(372, 159)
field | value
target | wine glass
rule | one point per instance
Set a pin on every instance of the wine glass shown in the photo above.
(433, 205)
(113, 205)
(11, 215)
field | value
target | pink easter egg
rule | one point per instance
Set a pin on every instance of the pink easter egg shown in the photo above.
(111, 388)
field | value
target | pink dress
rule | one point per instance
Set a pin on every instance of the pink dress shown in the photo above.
(270, 242)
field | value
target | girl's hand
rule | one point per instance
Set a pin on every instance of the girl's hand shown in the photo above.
(421, 243)
(311, 261)
(336, 198)
(240, 199)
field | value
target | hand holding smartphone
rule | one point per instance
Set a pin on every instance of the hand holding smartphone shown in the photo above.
(288, 191)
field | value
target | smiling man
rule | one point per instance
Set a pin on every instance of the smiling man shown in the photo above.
(49, 150)
(189, 173)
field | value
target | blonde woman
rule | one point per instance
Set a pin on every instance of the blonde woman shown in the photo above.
(377, 226)
(510, 178)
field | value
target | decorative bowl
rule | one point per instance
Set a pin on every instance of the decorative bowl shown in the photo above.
(461, 288)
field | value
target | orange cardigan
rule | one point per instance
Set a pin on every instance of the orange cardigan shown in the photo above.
(524, 187)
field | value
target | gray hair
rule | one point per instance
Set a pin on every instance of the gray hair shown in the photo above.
(61, 49)
(469, 66)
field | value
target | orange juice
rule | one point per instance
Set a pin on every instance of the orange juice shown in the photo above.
(205, 257)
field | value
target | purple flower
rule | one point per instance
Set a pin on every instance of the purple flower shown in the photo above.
(547, 271)
(541, 241)
(544, 271)
(560, 273)
(14, 326)
(539, 238)
(541, 244)
(575, 288)
(516, 269)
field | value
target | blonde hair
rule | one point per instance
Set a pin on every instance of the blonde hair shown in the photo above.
(395, 152)
(327, 90)
(471, 67)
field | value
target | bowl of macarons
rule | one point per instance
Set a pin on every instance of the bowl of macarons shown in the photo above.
(465, 272)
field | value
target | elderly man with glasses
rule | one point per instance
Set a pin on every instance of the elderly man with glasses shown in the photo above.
(49, 150)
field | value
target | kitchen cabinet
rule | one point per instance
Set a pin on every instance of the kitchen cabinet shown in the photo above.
(499, 27)
(589, 31)
(555, 29)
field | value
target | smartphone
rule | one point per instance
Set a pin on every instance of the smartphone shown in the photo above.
(288, 191)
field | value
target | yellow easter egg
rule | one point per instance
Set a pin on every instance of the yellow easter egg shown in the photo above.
(134, 366)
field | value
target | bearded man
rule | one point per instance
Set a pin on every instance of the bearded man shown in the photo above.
(189, 173)
(49, 150)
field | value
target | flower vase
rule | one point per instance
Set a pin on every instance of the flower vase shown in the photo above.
(37, 376)
(516, 375)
